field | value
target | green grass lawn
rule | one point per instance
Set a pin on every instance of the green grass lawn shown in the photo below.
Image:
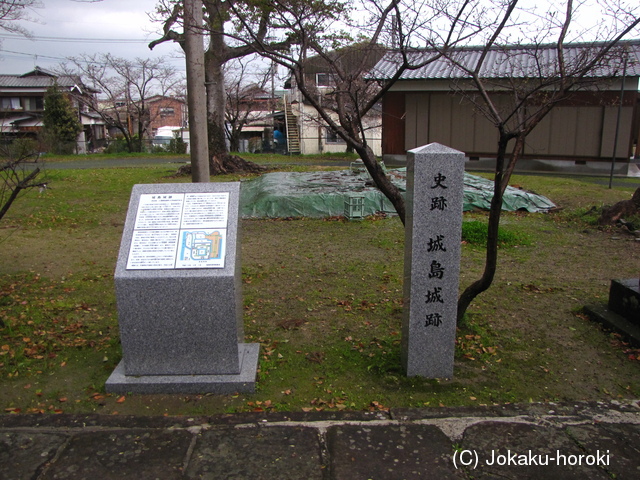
(324, 300)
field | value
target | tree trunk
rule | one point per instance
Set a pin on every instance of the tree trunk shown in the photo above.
(220, 162)
(140, 139)
(382, 181)
(234, 141)
(216, 99)
(129, 140)
(502, 176)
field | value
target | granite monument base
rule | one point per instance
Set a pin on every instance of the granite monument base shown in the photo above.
(244, 382)
(179, 322)
(178, 292)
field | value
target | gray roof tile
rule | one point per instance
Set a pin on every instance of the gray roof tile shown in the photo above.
(505, 62)
(38, 78)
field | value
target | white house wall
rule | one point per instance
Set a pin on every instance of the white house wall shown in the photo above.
(313, 138)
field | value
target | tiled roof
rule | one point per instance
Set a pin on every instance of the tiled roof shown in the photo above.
(38, 78)
(506, 62)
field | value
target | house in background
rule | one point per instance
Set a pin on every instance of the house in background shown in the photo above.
(166, 112)
(251, 115)
(432, 104)
(22, 106)
(306, 132)
(155, 112)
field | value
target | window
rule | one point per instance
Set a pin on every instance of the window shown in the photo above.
(331, 136)
(11, 103)
(166, 111)
(325, 80)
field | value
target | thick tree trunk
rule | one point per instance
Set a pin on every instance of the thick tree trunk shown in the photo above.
(220, 162)
(216, 99)
(225, 164)
(502, 176)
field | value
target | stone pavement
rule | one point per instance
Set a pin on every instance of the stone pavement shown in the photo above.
(536, 441)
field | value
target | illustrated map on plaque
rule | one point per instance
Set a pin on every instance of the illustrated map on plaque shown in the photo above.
(179, 230)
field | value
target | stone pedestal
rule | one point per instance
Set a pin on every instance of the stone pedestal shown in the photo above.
(178, 290)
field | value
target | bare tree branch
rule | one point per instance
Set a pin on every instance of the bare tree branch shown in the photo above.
(18, 172)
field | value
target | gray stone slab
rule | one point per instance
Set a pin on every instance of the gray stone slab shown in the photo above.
(610, 319)
(495, 443)
(434, 200)
(143, 454)
(257, 453)
(624, 299)
(621, 442)
(390, 451)
(244, 382)
(23, 454)
(184, 321)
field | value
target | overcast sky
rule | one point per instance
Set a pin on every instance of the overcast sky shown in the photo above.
(76, 27)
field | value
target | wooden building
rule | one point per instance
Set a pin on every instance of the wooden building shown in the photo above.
(436, 104)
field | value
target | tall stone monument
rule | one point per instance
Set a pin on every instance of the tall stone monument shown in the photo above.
(435, 180)
(178, 293)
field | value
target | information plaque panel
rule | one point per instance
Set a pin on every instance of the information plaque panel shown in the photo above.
(179, 230)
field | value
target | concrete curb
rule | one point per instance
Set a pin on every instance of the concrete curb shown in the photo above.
(575, 440)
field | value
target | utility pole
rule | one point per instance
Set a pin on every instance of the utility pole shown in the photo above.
(196, 92)
(615, 137)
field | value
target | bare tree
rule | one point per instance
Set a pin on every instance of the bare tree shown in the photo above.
(440, 28)
(541, 75)
(125, 86)
(224, 21)
(405, 25)
(18, 162)
(12, 10)
(246, 101)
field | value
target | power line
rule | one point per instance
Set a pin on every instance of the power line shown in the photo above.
(37, 56)
(11, 36)
(2, 51)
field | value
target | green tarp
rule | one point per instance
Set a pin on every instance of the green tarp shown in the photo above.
(323, 194)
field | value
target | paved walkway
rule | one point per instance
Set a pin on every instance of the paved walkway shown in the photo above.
(536, 441)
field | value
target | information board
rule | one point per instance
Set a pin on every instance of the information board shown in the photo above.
(179, 230)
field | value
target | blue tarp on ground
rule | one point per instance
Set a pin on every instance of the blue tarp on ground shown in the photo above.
(323, 194)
